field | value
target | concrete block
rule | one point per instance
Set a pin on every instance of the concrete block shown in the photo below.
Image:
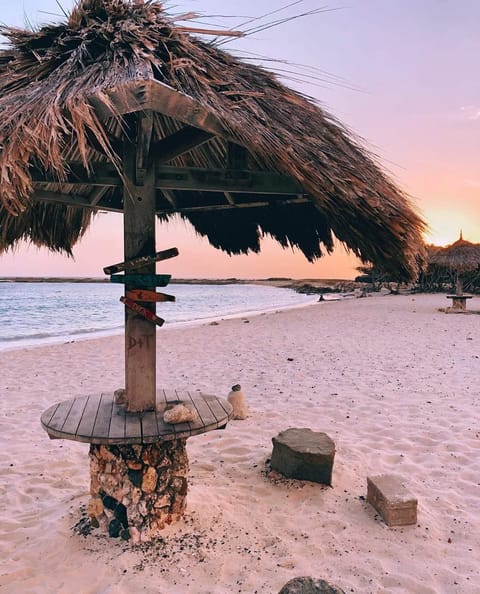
(387, 494)
(304, 454)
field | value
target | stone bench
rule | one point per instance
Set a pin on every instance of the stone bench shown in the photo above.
(387, 494)
(459, 302)
(303, 454)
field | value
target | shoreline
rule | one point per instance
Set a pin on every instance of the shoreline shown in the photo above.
(99, 334)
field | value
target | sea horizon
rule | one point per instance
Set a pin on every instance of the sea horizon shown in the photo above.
(36, 314)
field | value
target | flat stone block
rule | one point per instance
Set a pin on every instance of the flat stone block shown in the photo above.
(304, 454)
(387, 494)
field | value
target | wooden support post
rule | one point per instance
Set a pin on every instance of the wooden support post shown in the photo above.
(139, 240)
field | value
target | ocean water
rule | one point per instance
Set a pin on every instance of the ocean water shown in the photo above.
(38, 313)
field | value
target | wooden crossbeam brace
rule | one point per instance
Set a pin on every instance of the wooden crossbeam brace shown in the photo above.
(82, 202)
(183, 178)
(97, 195)
(229, 198)
(170, 197)
(273, 201)
(178, 144)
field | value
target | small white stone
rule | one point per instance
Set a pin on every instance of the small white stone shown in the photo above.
(237, 399)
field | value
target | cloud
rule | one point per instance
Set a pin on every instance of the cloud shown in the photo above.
(471, 112)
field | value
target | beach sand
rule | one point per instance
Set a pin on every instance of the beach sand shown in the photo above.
(392, 380)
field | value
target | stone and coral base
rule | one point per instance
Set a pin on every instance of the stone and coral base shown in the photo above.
(137, 489)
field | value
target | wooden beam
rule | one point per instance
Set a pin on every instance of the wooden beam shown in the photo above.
(97, 195)
(182, 178)
(225, 180)
(74, 200)
(81, 202)
(143, 94)
(144, 140)
(272, 202)
(171, 198)
(139, 241)
(229, 198)
(142, 261)
(179, 143)
(101, 175)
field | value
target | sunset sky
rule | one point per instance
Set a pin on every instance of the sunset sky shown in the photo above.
(401, 74)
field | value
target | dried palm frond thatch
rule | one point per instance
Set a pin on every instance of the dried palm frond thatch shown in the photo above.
(460, 256)
(58, 83)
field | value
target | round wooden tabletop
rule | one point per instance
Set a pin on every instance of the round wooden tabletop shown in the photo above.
(97, 419)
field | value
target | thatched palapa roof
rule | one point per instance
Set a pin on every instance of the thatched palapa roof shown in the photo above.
(237, 153)
(460, 256)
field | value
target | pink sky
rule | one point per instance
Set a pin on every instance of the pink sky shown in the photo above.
(409, 86)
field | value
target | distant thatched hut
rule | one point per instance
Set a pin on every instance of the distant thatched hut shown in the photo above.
(460, 256)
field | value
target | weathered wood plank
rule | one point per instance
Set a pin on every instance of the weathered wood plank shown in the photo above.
(220, 408)
(101, 428)
(74, 416)
(142, 261)
(87, 423)
(204, 412)
(133, 426)
(164, 429)
(142, 311)
(138, 280)
(54, 417)
(117, 425)
(148, 421)
(148, 296)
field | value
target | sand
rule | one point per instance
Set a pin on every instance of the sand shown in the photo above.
(391, 379)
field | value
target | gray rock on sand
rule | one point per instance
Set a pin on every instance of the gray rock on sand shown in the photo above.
(237, 399)
(307, 585)
(304, 454)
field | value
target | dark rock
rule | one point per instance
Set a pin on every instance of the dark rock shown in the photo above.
(135, 477)
(304, 454)
(108, 502)
(125, 534)
(118, 508)
(307, 585)
(83, 526)
(114, 528)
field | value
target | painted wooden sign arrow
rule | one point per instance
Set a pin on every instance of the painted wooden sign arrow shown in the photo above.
(142, 311)
(148, 296)
(142, 280)
(141, 261)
